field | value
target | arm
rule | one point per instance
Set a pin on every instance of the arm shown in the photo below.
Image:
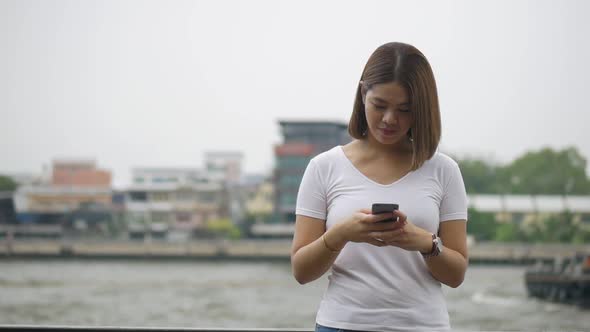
(450, 266)
(314, 249)
(310, 257)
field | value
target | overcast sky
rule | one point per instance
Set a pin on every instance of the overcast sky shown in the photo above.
(158, 83)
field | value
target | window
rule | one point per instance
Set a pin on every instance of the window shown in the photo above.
(138, 196)
(160, 197)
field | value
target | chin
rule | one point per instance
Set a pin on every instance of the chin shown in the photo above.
(389, 140)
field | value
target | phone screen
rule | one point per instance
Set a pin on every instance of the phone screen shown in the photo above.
(379, 208)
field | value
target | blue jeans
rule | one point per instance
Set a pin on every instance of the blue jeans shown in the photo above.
(321, 328)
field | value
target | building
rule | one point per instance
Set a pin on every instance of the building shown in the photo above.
(302, 140)
(73, 184)
(173, 200)
(7, 215)
(47, 199)
(79, 173)
(224, 166)
(72, 195)
(523, 209)
(259, 201)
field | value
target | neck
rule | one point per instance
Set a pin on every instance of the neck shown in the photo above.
(376, 149)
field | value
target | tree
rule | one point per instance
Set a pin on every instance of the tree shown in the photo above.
(479, 176)
(557, 228)
(507, 232)
(7, 184)
(223, 227)
(547, 172)
(481, 225)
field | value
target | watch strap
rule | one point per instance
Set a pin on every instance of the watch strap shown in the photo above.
(434, 251)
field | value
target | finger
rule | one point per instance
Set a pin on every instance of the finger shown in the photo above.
(399, 224)
(384, 226)
(365, 211)
(400, 215)
(375, 242)
(394, 244)
(387, 234)
(376, 235)
(395, 233)
(364, 217)
(374, 218)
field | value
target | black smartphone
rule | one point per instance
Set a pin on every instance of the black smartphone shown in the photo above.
(379, 208)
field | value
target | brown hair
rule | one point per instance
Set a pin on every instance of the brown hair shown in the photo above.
(405, 64)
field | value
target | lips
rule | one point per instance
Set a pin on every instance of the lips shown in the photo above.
(387, 132)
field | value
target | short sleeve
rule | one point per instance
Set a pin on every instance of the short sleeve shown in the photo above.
(454, 202)
(311, 198)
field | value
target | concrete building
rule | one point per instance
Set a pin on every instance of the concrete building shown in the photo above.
(7, 215)
(58, 200)
(528, 208)
(72, 185)
(51, 211)
(79, 173)
(259, 201)
(302, 140)
(173, 200)
(224, 166)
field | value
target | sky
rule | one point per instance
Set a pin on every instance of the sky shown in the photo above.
(159, 83)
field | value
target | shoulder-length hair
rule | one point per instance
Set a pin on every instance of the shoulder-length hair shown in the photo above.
(406, 65)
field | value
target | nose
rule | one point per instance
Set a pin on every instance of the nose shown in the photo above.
(389, 117)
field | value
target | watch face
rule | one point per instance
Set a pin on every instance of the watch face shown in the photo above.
(439, 245)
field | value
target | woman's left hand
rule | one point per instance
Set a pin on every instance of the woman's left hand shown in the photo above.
(409, 237)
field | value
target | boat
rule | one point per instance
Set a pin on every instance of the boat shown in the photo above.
(564, 280)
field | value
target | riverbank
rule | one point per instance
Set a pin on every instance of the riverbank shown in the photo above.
(247, 250)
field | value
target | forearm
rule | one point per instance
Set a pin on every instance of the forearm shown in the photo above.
(313, 260)
(449, 267)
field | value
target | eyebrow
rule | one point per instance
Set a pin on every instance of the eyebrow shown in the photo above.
(386, 102)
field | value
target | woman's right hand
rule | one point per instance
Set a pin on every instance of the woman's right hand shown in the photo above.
(358, 227)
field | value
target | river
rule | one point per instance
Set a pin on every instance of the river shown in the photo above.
(238, 295)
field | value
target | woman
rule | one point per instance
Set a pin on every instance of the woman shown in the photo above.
(385, 276)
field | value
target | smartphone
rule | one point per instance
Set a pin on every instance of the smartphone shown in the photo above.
(379, 208)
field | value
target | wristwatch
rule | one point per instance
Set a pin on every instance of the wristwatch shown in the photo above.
(437, 247)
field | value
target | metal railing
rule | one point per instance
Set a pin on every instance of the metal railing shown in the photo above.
(49, 328)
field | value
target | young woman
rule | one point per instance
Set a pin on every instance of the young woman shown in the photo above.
(385, 276)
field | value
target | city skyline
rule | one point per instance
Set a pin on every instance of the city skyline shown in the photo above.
(158, 84)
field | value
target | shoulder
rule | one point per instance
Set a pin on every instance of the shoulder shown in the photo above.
(442, 160)
(327, 164)
(327, 158)
(441, 166)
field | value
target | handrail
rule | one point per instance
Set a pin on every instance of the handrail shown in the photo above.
(57, 328)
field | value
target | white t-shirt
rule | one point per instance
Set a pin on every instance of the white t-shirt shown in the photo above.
(382, 288)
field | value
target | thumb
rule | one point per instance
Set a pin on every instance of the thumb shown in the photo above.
(365, 211)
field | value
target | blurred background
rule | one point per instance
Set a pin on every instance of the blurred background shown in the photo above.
(151, 153)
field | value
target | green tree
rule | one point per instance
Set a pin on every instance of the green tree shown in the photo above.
(7, 184)
(479, 176)
(482, 225)
(507, 232)
(557, 228)
(224, 227)
(582, 236)
(547, 172)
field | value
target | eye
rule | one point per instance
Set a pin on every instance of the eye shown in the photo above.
(379, 107)
(405, 110)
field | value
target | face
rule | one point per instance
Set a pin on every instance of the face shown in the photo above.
(388, 113)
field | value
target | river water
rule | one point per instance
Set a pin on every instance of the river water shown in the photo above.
(239, 295)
